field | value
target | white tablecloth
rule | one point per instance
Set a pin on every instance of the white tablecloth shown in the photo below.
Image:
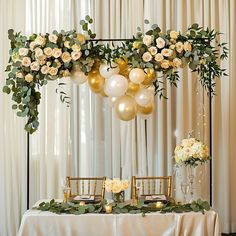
(36, 223)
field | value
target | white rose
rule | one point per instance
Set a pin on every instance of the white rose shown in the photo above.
(166, 52)
(177, 62)
(159, 57)
(52, 38)
(67, 44)
(53, 71)
(66, 73)
(15, 57)
(174, 34)
(76, 55)
(187, 46)
(38, 52)
(66, 58)
(40, 40)
(23, 51)
(44, 70)
(160, 42)
(35, 66)
(42, 60)
(47, 51)
(172, 46)
(58, 63)
(179, 47)
(153, 50)
(32, 45)
(19, 75)
(147, 56)
(147, 40)
(81, 38)
(165, 64)
(26, 61)
(76, 48)
(56, 52)
(29, 78)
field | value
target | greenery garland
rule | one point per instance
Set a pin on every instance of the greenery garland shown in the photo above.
(118, 208)
(36, 59)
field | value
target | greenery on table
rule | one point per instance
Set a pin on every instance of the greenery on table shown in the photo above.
(122, 208)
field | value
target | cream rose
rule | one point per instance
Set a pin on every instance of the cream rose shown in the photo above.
(56, 52)
(40, 40)
(66, 73)
(34, 66)
(153, 50)
(19, 75)
(42, 60)
(67, 44)
(147, 56)
(172, 47)
(66, 58)
(58, 63)
(179, 47)
(32, 45)
(48, 51)
(81, 38)
(187, 46)
(44, 70)
(165, 64)
(53, 71)
(53, 38)
(23, 51)
(174, 34)
(147, 40)
(160, 42)
(166, 52)
(26, 61)
(136, 44)
(38, 52)
(76, 48)
(76, 55)
(159, 57)
(177, 62)
(29, 78)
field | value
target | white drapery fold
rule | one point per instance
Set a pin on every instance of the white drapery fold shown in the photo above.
(87, 139)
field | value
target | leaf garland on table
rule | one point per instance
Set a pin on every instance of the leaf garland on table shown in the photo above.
(39, 58)
(122, 208)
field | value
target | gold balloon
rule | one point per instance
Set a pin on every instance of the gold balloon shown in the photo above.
(126, 108)
(122, 62)
(146, 110)
(132, 88)
(96, 82)
(149, 77)
(125, 71)
(102, 93)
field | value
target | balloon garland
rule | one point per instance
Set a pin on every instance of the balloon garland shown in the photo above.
(128, 75)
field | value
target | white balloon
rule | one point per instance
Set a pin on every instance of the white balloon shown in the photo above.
(77, 76)
(144, 97)
(137, 75)
(112, 100)
(116, 86)
(106, 71)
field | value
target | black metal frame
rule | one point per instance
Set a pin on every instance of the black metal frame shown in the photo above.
(210, 125)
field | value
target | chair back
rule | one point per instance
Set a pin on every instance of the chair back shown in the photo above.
(146, 186)
(93, 186)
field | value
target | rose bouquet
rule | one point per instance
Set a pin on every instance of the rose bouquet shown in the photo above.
(191, 152)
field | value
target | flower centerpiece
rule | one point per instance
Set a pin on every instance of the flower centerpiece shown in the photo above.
(117, 187)
(191, 152)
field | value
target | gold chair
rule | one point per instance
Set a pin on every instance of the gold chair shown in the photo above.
(93, 186)
(151, 186)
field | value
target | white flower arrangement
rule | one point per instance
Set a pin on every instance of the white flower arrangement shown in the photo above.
(116, 185)
(191, 152)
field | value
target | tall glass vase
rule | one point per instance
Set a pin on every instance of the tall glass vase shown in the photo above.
(191, 180)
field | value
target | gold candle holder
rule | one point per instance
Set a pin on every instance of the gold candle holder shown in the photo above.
(159, 205)
(108, 209)
(82, 203)
(66, 194)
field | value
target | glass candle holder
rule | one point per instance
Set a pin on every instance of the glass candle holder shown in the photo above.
(159, 205)
(108, 209)
(66, 194)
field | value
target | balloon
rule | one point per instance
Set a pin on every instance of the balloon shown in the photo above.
(77, 76)
(144, 97)
(132, 88)
(116, 85)
(96, 82)
(126, 108)
(122, 63)
(150, 76)
(102, 92)
(125, 71)
(112, 100)
(146, 110)
(137, 75)
(106, 71)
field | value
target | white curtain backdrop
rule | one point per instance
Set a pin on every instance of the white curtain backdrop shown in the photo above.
(87, 139)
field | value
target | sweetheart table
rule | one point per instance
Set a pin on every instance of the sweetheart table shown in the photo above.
(37, 223)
